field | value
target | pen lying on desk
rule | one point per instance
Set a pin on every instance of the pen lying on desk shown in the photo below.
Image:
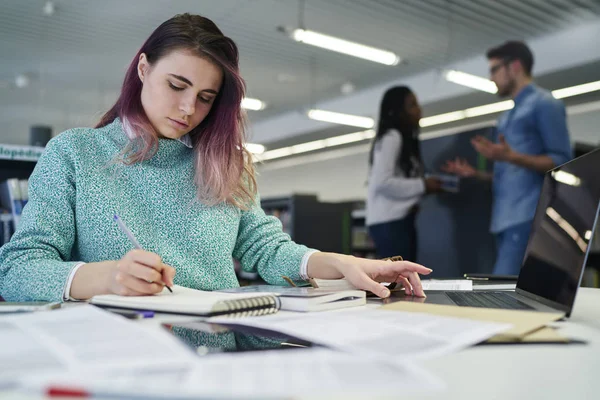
(132, 239)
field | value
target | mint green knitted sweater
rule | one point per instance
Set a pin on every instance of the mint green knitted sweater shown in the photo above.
(75, 190)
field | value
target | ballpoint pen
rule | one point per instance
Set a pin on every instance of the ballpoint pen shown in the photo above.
(131, 238)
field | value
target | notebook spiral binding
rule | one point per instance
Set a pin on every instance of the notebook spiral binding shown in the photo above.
(253, 306)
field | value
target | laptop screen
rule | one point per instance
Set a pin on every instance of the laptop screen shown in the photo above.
(562, 231)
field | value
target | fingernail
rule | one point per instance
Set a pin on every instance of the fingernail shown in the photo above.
(430, 270)
(385, 293)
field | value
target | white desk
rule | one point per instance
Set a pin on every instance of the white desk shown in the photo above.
(510, 372)
(520, 371)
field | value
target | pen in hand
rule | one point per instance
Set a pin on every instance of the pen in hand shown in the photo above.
(132, 238)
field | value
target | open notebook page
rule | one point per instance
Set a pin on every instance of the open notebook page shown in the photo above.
(182, 300)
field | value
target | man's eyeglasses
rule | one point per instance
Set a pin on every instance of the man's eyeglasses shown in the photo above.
(496, 67)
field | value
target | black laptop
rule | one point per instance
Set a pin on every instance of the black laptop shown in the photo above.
(558, 247)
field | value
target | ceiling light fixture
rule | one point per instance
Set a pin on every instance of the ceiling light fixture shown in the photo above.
(442, 118)
(49, 8)
(21, 81)
(469, 80)
(315, 145)
(489, 108)
(576, 90)
(425, 122)
(345, 47)
(253, 104)
(347, 88)
(255, 148)
(503, 105)
(342, 119)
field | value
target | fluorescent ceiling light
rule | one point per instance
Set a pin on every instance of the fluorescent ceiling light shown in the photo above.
(349, 138)
(566, 178)
(442, 118)
(575, 90)
(345, 47)
(315, 145)
(253, 104)
(277, 153)
(255, 148)
(503, 105)
(343, 119)
(439, 119)
(489, 109)
(472, 81)
(308, 146)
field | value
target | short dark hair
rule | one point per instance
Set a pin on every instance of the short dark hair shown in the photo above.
(513, 50)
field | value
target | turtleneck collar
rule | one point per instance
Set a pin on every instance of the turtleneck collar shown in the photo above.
(128, 129)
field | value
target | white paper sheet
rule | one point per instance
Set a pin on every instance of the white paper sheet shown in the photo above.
(264, 375)
(385, 335)
(457, 284)
(495, 286)
(82, 337)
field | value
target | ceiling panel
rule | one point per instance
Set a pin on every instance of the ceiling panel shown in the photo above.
(84, 48)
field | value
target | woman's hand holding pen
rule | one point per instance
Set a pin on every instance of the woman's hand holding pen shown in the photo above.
(366, 274)
(139, 273)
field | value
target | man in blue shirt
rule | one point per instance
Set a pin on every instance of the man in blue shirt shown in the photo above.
(531, 138)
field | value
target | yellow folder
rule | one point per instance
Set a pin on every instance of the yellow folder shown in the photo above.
(527, 326)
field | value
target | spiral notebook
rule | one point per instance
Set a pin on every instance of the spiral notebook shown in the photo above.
(195, 302)
(306, 299)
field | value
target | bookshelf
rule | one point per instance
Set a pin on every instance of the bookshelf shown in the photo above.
(362, 244)
(308, 221)
(15, 162)
(18, 161)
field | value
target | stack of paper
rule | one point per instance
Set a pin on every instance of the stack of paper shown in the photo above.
(401, 336)
(456, 284)
(82, 338)
(92, 353)
(278, 374)
(524, 323)
(428, 284)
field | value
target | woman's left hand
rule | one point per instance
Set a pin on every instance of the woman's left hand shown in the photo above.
(366, 274)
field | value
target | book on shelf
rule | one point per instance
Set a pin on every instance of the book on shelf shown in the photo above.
(11, 199)
(6, 220)
(24, 191)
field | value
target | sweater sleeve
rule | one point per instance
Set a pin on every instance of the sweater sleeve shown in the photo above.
(35, 264)
(382, 175)
(263, 247)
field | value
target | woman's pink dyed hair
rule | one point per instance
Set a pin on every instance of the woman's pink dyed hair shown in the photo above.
(224, 169)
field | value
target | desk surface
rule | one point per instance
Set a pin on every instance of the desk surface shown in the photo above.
(532, 371)
(524, 371)
(529, 371)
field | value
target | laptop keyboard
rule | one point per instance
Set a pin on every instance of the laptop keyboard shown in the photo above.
(487, 300)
